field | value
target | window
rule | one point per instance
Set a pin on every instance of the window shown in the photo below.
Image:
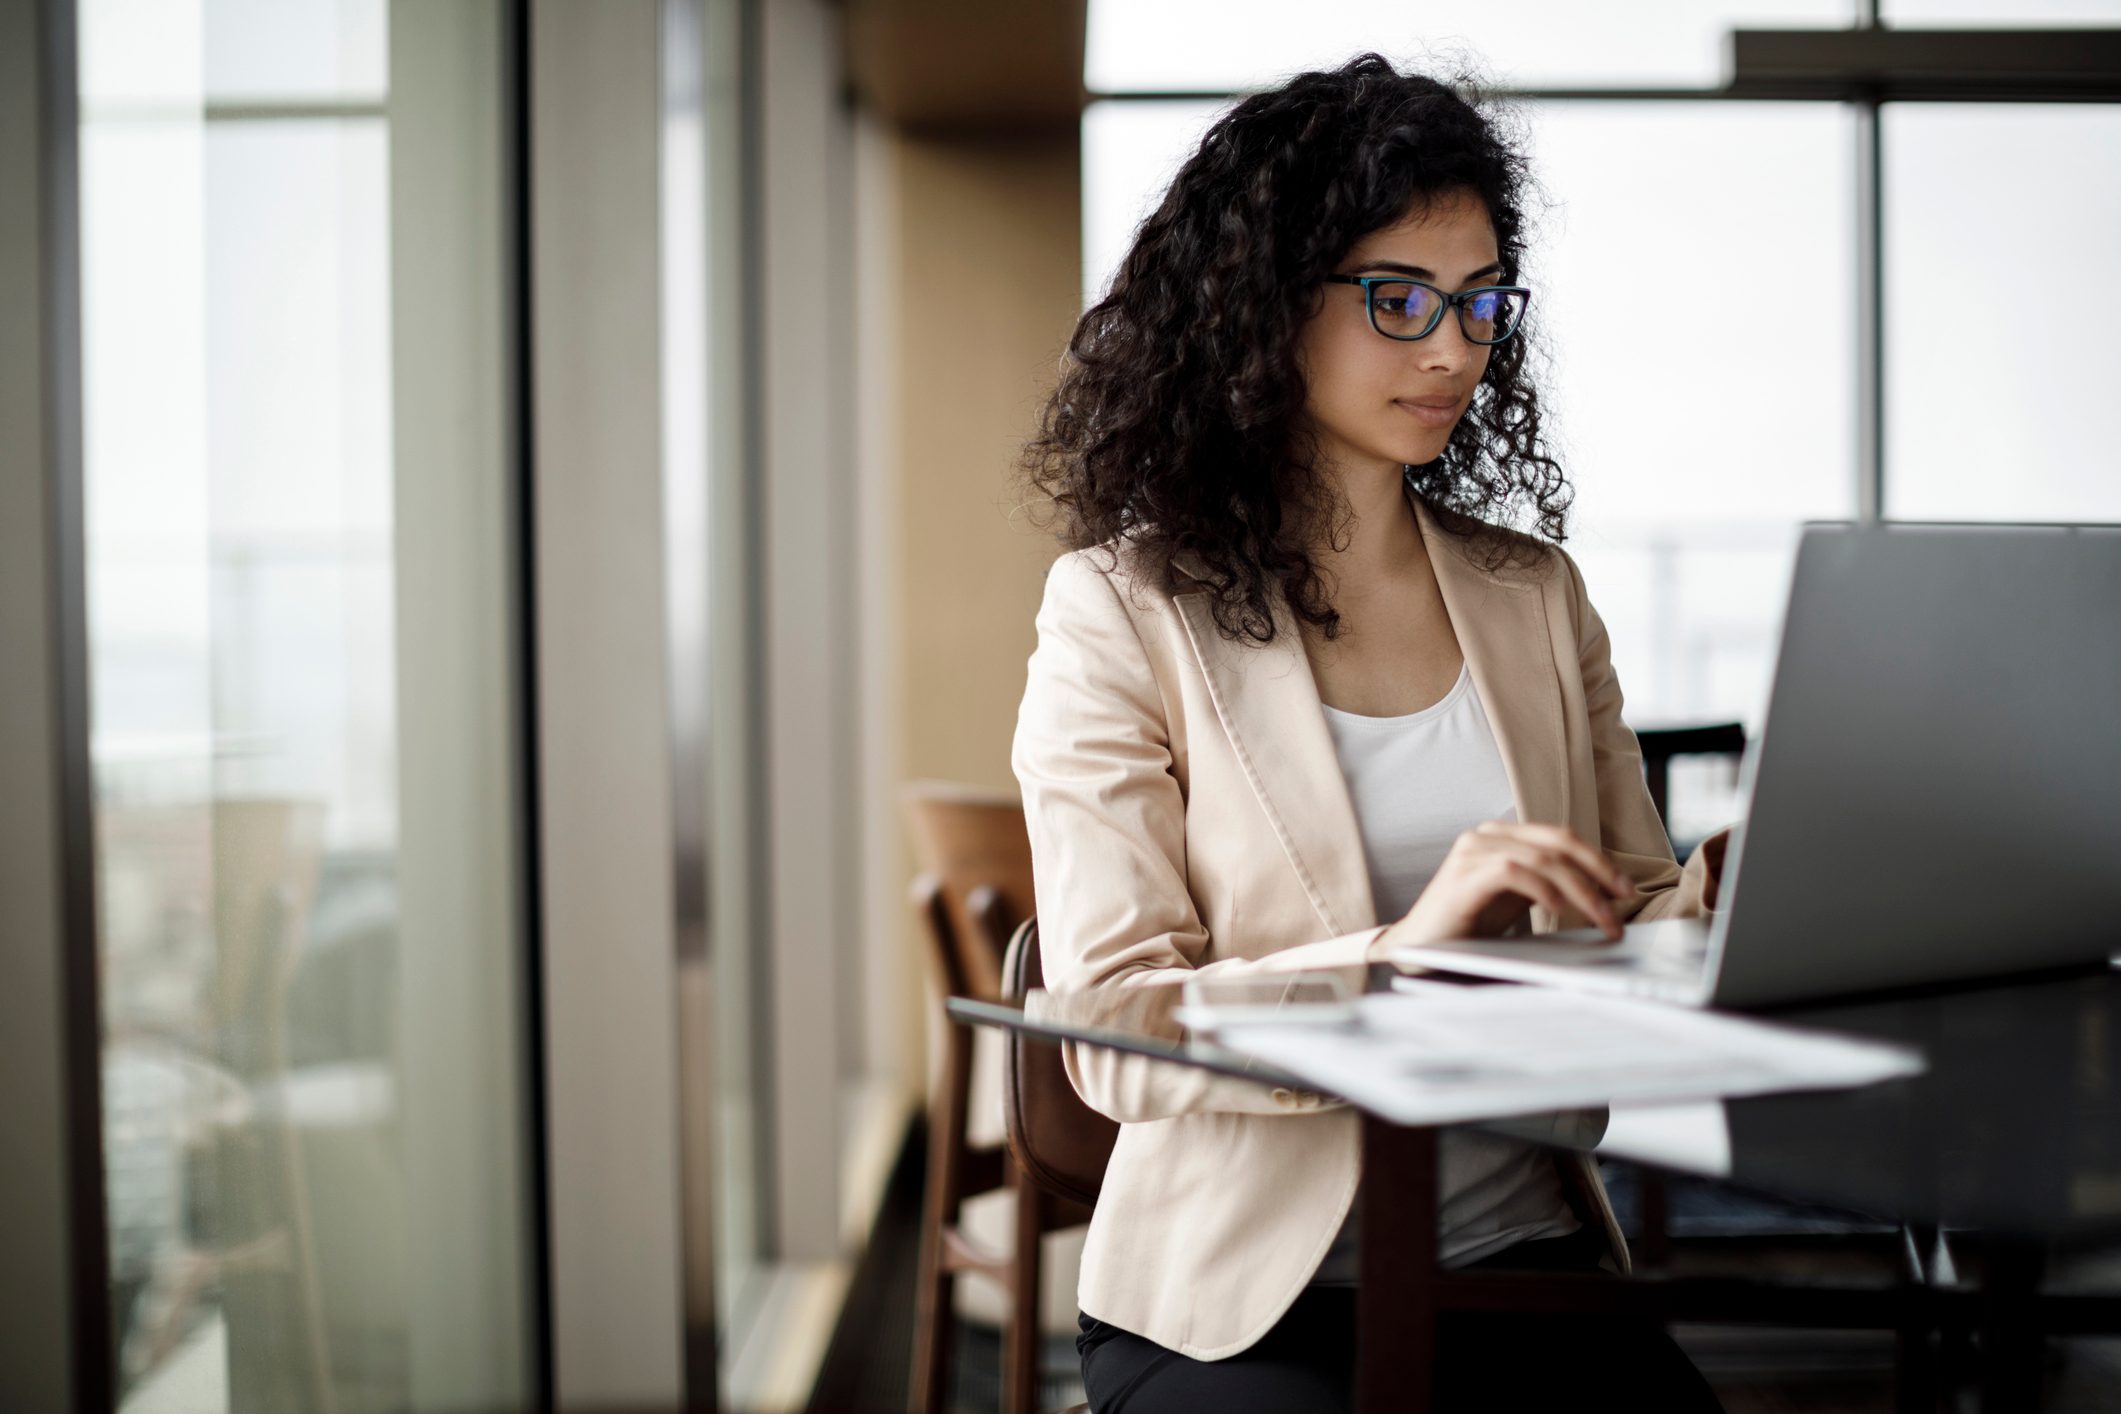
(299, 546)
(2011, 14)
(2002, 298)
(1215, 46)
(1696, 452)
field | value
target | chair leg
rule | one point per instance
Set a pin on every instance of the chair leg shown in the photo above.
(1915, 1364)
(1020, 1359)
(935, 1320)
(1655, 1250)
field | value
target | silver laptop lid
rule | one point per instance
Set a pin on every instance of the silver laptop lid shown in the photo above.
(1937, 794)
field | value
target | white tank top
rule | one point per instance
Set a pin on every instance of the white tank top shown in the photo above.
(1418, 782)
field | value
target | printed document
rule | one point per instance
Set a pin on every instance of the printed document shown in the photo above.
(1439, 1054)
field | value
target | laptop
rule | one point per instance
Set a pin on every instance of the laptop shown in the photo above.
(1936, 795)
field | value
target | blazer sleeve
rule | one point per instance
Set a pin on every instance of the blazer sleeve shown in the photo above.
(1118, 928)
(1628, 828)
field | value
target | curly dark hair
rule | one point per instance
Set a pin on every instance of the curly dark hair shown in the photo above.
(1177, 422)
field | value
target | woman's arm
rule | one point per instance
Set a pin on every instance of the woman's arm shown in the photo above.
(1108, 849)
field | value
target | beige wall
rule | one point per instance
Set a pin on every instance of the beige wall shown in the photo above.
(974, 252)
(991, 260)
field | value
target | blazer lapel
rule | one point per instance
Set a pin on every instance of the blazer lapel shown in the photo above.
(1268, 703)
(1269, 706)
(1502, 629)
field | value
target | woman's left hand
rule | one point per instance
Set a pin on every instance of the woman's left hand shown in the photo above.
(1711, 853)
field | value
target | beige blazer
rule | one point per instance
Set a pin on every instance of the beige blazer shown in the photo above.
(1188, 814)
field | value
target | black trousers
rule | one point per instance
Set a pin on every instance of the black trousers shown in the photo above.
(1486, 1362)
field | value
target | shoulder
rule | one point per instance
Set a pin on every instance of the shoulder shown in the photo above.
(1506, 555)
(1116, 573)
(1106, 616)
(1521, 563)
(1102, 646)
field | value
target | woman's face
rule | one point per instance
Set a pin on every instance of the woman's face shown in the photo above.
(1379, 403)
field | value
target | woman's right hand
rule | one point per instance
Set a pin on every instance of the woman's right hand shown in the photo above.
(1496, 872)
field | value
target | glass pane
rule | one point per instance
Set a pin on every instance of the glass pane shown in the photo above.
(276, 50)
(1697, 452)
(298, 538)
(1131, 150)
(144, 52)
(1988, 418)
(2000, 14)
(1227, 45)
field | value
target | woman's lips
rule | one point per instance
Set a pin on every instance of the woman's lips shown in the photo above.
(1431, 412)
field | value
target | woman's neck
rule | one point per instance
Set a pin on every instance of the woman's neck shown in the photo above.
(1381, 540)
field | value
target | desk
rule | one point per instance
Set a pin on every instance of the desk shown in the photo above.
(2013, 1137)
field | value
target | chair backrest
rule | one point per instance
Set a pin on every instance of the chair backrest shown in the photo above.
(267, 855)
(1057, 1140)
(1660, 744)
(975, 856)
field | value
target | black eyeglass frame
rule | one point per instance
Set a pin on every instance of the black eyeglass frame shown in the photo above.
(1444, 300)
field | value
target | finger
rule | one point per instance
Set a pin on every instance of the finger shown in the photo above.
(1573, 884)
(1592, 860)
(1527, 882)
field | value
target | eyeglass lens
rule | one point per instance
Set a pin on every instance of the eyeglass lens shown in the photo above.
(1409, 311)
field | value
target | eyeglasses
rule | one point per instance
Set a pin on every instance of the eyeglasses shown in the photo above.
(1408, 309)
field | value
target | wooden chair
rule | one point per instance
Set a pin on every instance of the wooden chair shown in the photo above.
(975, 887)
(257, 869)
(1661, 744)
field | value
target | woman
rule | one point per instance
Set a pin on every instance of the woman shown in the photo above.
(1299, 697)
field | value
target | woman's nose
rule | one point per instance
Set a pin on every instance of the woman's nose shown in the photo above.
(1447, 349)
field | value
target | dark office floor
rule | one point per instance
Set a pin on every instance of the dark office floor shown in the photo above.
(1754, 1371)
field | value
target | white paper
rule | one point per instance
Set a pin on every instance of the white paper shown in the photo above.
(1691, 1135)
(1448, 1054)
